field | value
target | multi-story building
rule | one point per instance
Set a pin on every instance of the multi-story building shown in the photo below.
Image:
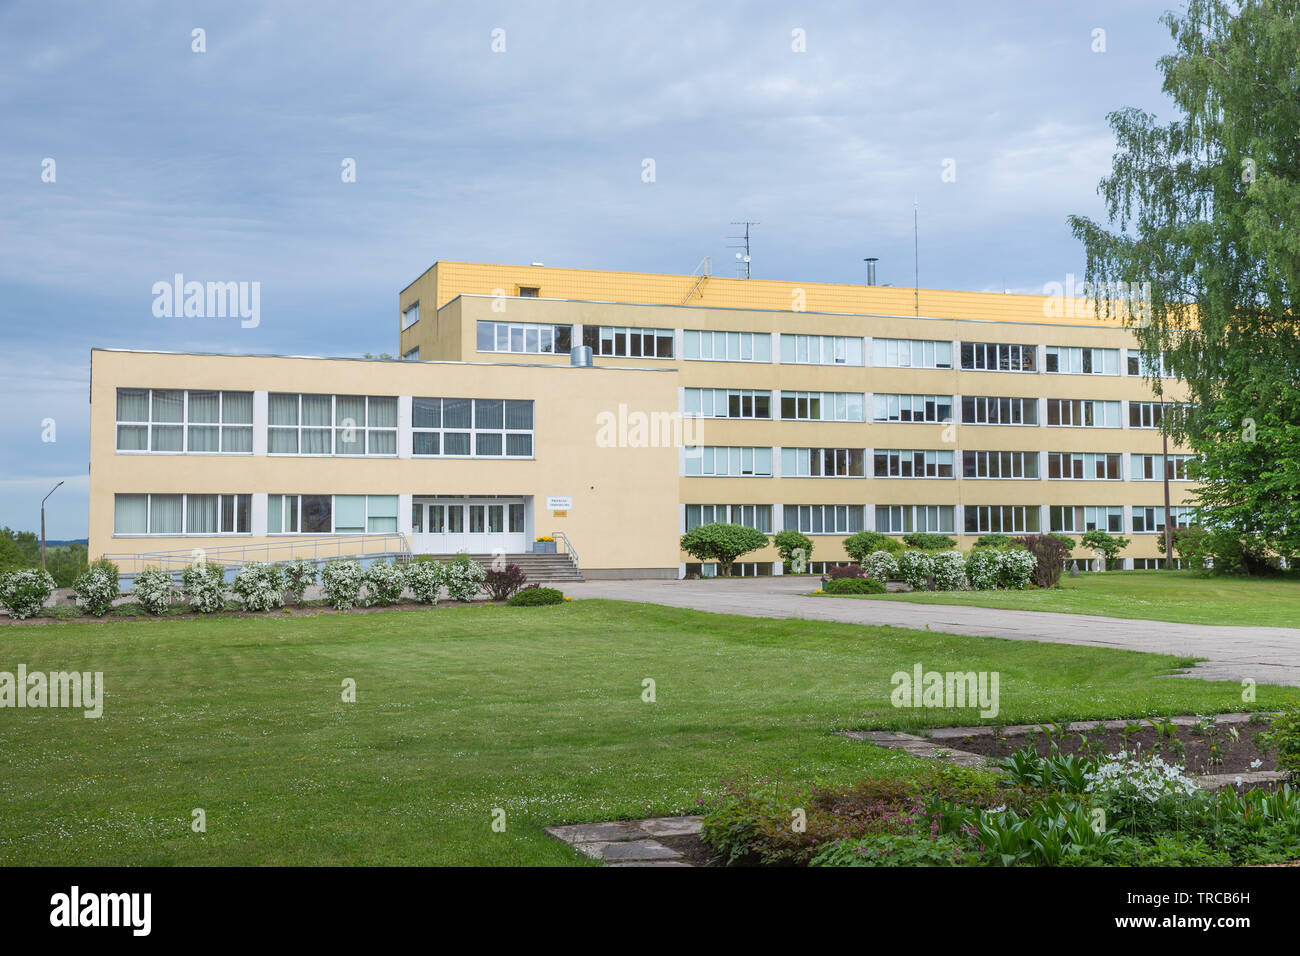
(828, 409)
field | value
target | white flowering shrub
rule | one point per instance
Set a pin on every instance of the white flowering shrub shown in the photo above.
(982, 567)
(205, 586)
(915, 567)
(23, 593)
(96, 588)
(298, 577)
(384, 582)
(462, 576)
(880, 566)
(949, 570)
(341, 582)
(259, 586)
(153, 590)
(1016, 568)
(424, 580)
(1142, 790)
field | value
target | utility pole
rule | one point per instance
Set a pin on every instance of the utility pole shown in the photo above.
(43, 500)
(743, 263)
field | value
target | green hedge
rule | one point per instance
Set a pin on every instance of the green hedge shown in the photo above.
(853, 586)
(536, 597)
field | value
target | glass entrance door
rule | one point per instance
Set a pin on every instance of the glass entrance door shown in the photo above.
(477, 526)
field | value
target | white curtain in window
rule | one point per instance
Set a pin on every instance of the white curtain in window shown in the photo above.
(165, 516)
(168, 406)
(237, 408)
(132, 437)
(350, 410)
(204, 438)
(350, 513)
(383, 413)
(205, 407)
(130, 514)
(383, 513)
(132, 405)
(283, 410)
(238, 439)
(519, 415)
(201, 514)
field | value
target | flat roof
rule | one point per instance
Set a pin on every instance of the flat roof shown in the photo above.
(393, 361)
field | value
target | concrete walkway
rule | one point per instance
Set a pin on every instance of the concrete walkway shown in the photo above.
(1266, 655)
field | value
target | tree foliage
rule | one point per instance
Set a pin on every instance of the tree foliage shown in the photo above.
(721, 542)
(1201, 257)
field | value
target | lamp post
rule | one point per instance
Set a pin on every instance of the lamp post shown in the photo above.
(43, 500)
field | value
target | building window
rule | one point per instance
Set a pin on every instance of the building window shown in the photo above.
(823, 463)
(1152, 467)
(911, 353)
(823, 519)
(912, 408)
(524, 337)
(1083, 466)
(994, 410)
(331, 514)
(999, 464)
(472, 427)
(176, 420)
(1082, 413)
(912, 463)
(821, 350)
(998, 357)
(758, 517)
(331, 424)
(183, 514)
(1145, 414)
(709, 346)
(1076, 519)
(727, 403)
(1002, 519)
(411, 355)
(1081, 361)
(1147, 364)
(904, 519)
(628, 342)
(729, 461)
(821, 406)
(529, 292)
(410, 315)
(1152, 520)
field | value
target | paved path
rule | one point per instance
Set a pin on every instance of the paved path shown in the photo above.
(1266, 655)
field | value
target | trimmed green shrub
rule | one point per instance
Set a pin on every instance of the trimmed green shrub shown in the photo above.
(880, 566)
(794, 548)
(298, 577)
(259, 586)
(205, 586)
(424, 580)
(24, 592)
(385, 581)
(723, 543)
(97, 587)
(858, 546)
(535, 597)
(853, 586)
(463, 578)
(994, 540)
(926, 541)
(341, 583)
(153, 590)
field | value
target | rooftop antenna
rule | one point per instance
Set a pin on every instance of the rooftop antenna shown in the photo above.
(916, 258)
(742, 259)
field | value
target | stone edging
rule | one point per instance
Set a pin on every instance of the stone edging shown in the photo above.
(629, 842)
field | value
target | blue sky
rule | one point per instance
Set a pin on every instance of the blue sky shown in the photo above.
(225, 165)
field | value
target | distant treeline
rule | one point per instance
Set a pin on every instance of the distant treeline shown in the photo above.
(22, 549)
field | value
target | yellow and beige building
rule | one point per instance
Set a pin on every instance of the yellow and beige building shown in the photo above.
(613, 411)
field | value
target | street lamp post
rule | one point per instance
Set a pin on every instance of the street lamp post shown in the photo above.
(43, 500)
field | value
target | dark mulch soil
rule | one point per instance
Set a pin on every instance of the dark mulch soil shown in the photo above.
(1213, 750)
(690, 846)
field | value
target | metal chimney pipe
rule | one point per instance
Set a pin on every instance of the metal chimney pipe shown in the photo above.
(871, 269)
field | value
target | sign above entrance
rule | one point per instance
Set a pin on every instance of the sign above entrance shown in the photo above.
(559, 502)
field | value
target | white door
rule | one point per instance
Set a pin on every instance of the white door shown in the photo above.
(477, 526)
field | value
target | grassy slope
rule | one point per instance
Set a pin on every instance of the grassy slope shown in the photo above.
(459, 711)
(1181, 596)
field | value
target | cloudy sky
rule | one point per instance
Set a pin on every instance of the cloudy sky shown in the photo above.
(226, 164)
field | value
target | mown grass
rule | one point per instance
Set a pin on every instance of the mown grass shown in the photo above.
(1185, 597)
(537, 711)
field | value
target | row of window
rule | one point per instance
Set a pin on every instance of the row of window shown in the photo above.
(799, 349)
(756, 461)
(456, 518)
(940, 519)
(209, 422)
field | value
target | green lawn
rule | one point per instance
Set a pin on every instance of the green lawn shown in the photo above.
(1182, 596)
(460, 711)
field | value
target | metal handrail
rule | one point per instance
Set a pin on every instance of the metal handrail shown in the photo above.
(274, 552)
(560, 536)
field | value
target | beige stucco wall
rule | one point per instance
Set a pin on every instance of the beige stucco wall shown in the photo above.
(617, 492)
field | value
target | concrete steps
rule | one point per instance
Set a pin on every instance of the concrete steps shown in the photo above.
(540, 568)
